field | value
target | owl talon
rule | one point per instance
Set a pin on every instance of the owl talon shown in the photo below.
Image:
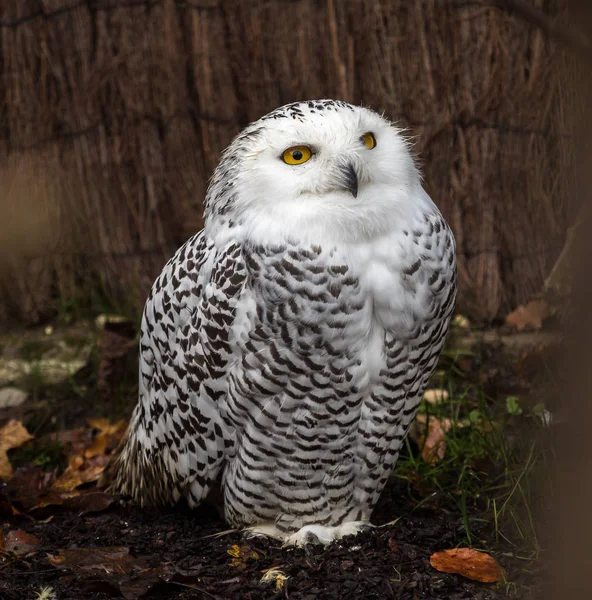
(318, 534)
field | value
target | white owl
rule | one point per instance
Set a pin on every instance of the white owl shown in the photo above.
(285, 348)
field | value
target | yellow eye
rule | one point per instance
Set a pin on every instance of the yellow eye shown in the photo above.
(369, 140)
(296, 155)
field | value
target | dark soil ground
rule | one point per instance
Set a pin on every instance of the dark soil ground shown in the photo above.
(172, 554)
(93, 546)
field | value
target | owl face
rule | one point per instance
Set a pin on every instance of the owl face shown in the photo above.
(315, 165)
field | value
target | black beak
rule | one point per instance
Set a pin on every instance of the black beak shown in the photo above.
(350, 178)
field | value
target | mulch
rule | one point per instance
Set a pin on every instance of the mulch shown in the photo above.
(122, 551)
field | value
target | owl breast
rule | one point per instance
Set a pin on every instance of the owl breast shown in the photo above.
(335, 346)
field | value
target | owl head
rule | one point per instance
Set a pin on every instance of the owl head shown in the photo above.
(315, 168)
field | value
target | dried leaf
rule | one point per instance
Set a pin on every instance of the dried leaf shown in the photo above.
(28, 485)
(99, 423)
(70, 478)
(109, 435)
(99, 446)
(12, 435)
(73, 440)
(469, 563)
(435, 395)
(53, 498)
(115, 559)
(240, 556)
(5, 466)
(433, 445)
(88, 463)
(89, 502)
(530, 316)
(79, 472)
(19, 542)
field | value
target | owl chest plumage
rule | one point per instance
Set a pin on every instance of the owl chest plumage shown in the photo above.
(333, 348)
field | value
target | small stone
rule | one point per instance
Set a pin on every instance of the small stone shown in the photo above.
(10, 397)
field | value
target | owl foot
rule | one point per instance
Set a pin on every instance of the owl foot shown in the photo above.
(318, 534)
(263, 530)
(309, 534)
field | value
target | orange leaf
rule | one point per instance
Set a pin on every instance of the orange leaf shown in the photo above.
(70, 479)
(109, 434)
(530, 316)
(433, 445)
(99, 446)
(78, 472)
(105, 426)
(240, 556)
(12, 435)
(469, 563)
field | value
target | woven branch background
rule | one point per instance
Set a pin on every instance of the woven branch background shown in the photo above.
(113, 115)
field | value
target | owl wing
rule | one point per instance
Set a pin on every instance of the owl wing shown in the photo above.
(177, 438)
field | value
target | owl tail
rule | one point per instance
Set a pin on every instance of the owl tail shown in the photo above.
(111, 473)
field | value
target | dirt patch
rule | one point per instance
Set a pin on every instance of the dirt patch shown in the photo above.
(177, 556)
(90, 546)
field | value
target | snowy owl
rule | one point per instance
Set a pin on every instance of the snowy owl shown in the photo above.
(285, 347)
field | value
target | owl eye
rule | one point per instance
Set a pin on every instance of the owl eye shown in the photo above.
(296, 155)
(369, 140)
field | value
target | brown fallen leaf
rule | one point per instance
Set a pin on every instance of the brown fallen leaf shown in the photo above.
(91, 501)
(19, 542)
(88, 463)
(110, 559)
(81, 501)
(12, 435)
(469, 563)
(109, 435)
(53, 498)
(70, 479)
(433, 445)
(80, 471)
(530, 316)
(27, 485)
(74, 441)
(32, 489)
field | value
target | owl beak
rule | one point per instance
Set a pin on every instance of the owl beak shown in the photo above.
(349, 178)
